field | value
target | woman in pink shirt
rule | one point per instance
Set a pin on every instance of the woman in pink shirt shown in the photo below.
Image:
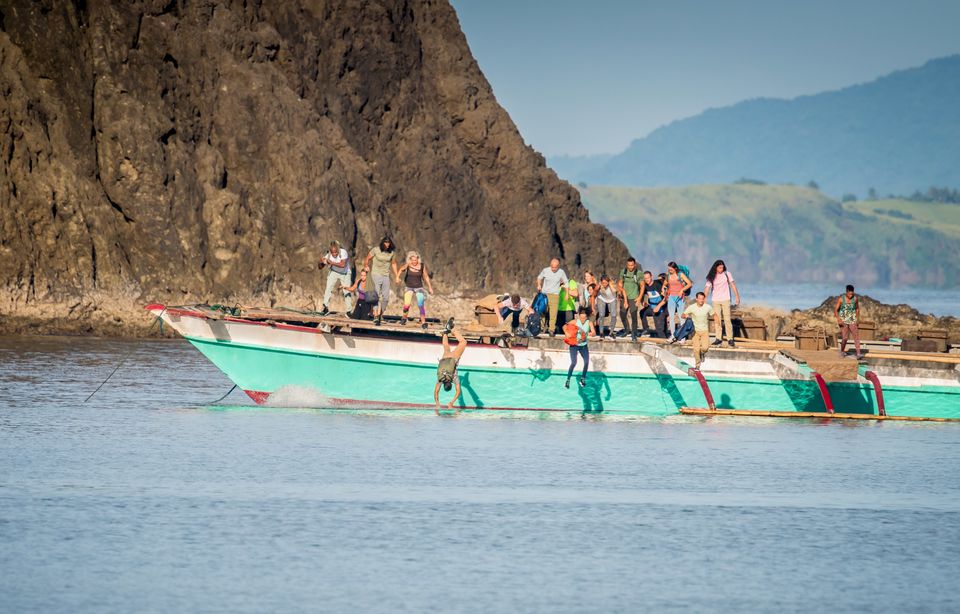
(720, 281)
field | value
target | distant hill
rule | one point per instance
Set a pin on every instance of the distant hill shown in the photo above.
(895, 134)
(784, 233)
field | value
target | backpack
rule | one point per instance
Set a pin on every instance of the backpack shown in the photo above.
(686, 271)
(533, 324)
(570, 333)
(539, 303)
(685, 330)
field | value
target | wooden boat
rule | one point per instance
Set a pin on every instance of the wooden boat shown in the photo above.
(334, 361)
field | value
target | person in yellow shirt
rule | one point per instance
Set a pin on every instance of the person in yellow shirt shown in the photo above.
(699, 312)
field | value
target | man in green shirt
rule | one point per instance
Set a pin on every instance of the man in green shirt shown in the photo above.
(700, 313)
(631, 288)
(569, 301)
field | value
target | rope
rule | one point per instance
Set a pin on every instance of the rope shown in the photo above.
(223, 397)
(125, 357)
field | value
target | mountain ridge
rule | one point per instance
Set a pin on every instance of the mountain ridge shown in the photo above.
(896, 134)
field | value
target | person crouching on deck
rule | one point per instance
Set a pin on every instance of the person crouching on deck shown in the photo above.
(699, 312)
(447, 375)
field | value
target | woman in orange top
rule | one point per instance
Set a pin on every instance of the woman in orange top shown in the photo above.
(677, 284)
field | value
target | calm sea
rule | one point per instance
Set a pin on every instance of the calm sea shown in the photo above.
(939, 302)
(146, 499)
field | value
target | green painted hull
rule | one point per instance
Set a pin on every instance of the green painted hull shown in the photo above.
(341, 379)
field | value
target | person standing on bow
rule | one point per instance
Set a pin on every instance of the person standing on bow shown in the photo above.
(550, 281)
(720, 284)
(847, 312)
(631, 288)
(339, 263)
(605, 305)
(381, 261)
(677, 285)
(416, 284)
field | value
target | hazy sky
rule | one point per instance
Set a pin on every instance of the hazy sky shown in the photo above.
(589, 76)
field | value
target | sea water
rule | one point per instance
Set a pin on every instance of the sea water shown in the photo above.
(148, 499)
(937, 301)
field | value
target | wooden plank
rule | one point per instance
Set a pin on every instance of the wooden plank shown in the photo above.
(918, 356)
(827, 363)
(762, 413)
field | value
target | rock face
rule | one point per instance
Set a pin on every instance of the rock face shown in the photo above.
(183, 151)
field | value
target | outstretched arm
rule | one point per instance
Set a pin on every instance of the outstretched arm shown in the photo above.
(398, 272)
(426, 279)
(456, 395)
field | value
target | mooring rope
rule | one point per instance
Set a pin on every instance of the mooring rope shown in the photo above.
(126, 357)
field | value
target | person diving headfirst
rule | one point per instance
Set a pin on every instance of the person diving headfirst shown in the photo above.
(447, 375)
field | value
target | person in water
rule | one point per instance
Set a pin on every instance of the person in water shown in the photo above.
(414, 276)
(381, 261)
(447, 375)
(721, 285)
(847, 312)
(576, 333)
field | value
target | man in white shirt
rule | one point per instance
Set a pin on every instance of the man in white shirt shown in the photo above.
(339, 263)
(550, 281)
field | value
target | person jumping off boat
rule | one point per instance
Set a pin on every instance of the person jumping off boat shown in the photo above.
(381, 261)
(699, 312)
(414, 276)
(576, 333)
(447, 375)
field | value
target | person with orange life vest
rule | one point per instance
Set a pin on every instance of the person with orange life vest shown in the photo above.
(576, 333)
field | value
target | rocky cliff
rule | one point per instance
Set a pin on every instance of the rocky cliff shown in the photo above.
(182, 151)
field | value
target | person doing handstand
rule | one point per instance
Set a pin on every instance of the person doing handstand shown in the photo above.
(447, 375)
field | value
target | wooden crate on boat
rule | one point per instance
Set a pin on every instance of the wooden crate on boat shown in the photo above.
(811, 339)
(868, 330)
(937, 335)
(919, 345)
(485, 311)
(754, 329)
(486, 317)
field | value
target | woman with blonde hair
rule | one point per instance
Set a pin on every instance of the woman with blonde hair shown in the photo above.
(416, 281)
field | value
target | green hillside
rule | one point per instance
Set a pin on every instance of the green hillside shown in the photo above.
(785, 233)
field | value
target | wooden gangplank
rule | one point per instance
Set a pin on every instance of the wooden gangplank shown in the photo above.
(763, 413)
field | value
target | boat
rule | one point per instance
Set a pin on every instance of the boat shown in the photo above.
(337, 362)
